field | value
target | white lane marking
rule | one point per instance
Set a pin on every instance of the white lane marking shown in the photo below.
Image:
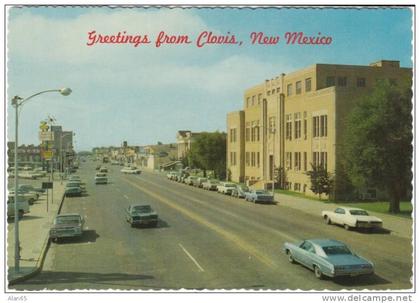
(191, 257)
(125, 196)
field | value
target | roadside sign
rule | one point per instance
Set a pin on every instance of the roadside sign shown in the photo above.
(46, 136)
(47, 154)
(47, 185)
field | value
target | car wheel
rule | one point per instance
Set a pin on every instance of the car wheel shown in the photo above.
(290, 257)
(327, 220)
(318, 272)
(346, 227)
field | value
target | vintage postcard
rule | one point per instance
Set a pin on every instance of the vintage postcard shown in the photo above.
(210, 149)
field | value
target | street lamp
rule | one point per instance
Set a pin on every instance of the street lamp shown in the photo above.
(16, 102)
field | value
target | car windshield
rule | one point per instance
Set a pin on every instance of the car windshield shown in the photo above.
(358, 212)
(336, 250)
(67, 220)
(261, 192)
(141, 209)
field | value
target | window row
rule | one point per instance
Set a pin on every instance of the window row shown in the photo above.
(320, 126)
(232, 158)
(298, 161)
(252, 134)
(254, 100)
(298, 87)
(298, 132)
(252, 159)
(232, 135)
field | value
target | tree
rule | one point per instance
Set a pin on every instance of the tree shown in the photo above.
(321, 180)
(280, 176)
(208, 152)
(377, 148)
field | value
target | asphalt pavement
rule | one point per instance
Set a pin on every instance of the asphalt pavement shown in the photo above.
(204, 240)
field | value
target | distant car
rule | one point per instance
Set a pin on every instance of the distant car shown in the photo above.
(190, 180)
(28, 187)
(211, 184)
(226, 188)
(30, 197)
(75, 183)
(23, 207)
(239, 191)
(199, 182)
(328, 258)
(74, 178)
(27, 175)
(73, 189)
(351, 218)
(141, 215)
(98, 167)
(67, 226)
(114, 162)
(131, 170)
(101, 179)
(103, 169)
(259, 195)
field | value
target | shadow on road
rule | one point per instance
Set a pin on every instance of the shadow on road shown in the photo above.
(67, 278)
(88, 236)
(382, 231)
(161, 224)
(365, 280)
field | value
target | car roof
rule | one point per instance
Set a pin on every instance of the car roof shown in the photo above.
(325, 242)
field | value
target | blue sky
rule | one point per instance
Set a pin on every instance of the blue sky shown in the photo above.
(145, 94)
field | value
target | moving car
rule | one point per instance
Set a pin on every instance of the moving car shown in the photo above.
(131, 170)
(328, 258)
(101, 178)
(226, 188)
(73, 189)
(141, 215)
(23, 207)
(351, 218)
(67, 226)
(259, 195)
(30, 188)
(240, 191)
(30, 197)
(210, 184)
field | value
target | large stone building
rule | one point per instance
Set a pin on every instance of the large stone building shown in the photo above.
(297, 119)
(184, 139)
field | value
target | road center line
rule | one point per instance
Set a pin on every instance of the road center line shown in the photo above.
(191, 257)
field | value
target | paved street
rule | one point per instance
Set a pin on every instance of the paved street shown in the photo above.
(203, 241)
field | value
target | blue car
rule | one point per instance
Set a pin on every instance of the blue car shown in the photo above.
(329, 258)
(259, 195)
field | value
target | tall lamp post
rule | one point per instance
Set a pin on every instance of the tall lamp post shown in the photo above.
(17, 102)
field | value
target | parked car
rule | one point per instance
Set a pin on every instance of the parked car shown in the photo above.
(28, 187)
(225, 188)
(199, 182)
(328, 258)
(211, 184)
(73, 189)
(239, 191)
(23, 207)
(141, 215)
(103, 169)
(115, 162)
(171, 175)
(98, 167)
(67, 226)
(27, 175)
(74, 178)
(131, 170)
(351, 218)
(259, 195)
(190, 180)
(76, 183)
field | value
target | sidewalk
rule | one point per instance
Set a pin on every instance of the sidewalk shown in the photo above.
(398, 226)
(33, 235)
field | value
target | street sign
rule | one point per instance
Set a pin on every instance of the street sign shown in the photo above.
(47, 154)
(43, 126)
(46, 136)
(47, 185)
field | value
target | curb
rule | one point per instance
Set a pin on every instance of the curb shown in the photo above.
(41, 259)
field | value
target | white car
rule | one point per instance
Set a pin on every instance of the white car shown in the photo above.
(131, 170)
(23, 207)
(226, 188)
(351, 218)
(27, 175)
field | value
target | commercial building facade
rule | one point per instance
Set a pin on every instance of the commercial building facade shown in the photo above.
(297, 119)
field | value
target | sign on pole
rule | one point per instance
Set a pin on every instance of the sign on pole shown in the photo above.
(46, 136)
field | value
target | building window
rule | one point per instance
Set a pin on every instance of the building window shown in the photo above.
(330, 81)
(247, 162)
(258, 159)
(247, 134)
(272, 125)
(289, 127)
(253, 159)
(278, 89)
(297, 126)
(234, 158)
(253, 100)
(323, 160)
(248, 102)
(298, 87)
(361, 82)
(305, 129)
(297, 161)
(320, 126)
(342, 81)
(308, 85)
(315, 128)
(288, 160)
(259, 98)
(305, 161)
(323, 126)
(296, 186)
(289, 89)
